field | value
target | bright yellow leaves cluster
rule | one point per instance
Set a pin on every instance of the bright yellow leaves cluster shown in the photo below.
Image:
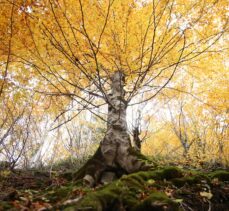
(109, 34)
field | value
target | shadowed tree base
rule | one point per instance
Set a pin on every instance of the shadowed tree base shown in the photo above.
(96, 171)
(115, 155)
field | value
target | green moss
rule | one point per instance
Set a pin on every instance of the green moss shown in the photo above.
(135, 180)
(104, 197)
(170, 173)
(179, 182)
(59, 193)
(222, 175)
(126, 191)
(166, 173)
(6, 206)
(193, 178)
(134, 192)
(156, 201)
(140, 156)
(109, 196)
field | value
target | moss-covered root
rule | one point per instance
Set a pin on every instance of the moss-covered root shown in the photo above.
(222, 175)
(156, 201)
(125, 194)
(95, 169)
(196, 177)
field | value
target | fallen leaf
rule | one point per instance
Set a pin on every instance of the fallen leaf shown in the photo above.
(72, 201)
(207, 195)
(215, 181)
(151, 181)
(178, 200)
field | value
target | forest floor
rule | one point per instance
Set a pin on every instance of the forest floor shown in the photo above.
(162, 188)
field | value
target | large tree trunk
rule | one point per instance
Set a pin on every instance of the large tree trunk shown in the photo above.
(115, 155)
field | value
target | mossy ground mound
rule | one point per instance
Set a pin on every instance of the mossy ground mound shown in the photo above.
(166, 188)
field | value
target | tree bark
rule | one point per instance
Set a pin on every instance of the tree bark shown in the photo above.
(137, 141)
(115, 155)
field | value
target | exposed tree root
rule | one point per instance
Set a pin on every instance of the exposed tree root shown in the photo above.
(96, 170)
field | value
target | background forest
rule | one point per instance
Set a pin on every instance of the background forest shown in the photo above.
(111, 93)
(188, 119)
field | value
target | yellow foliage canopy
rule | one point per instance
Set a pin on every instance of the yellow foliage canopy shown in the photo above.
(72, 45)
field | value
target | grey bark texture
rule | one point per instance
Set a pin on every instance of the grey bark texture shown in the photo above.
(115, 152)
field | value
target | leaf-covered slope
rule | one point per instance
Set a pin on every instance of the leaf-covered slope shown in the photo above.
(166, 188)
